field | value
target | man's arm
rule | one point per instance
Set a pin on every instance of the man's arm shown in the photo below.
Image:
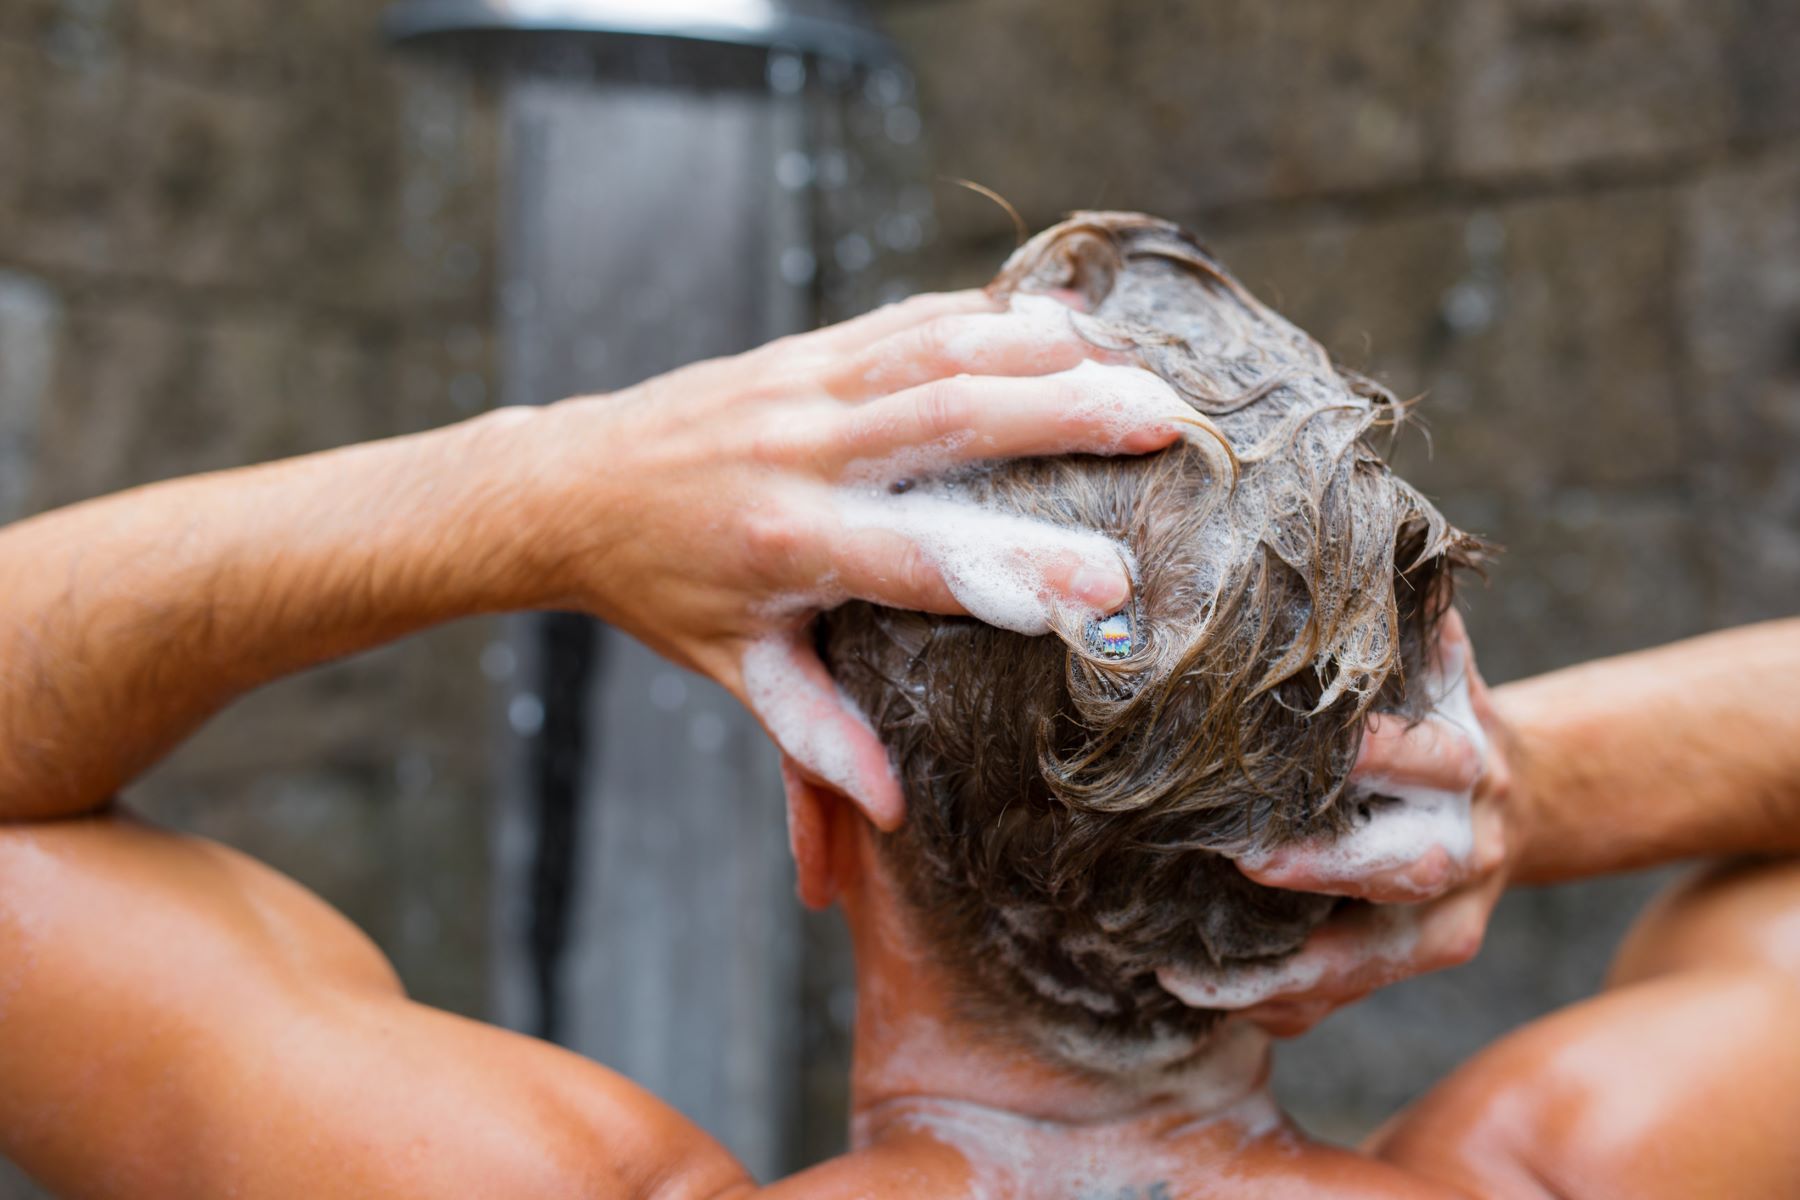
(128, 621)
(178, 1021)
(1683, 752)
(698, 511)
(1680, 1080)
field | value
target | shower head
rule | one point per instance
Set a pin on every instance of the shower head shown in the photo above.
(836, 28)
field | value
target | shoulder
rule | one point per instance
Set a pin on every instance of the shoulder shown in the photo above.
(183, 1021)
(1678, 1086)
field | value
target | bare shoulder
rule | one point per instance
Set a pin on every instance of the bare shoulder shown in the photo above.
(1681, 1085)
(179, 1020)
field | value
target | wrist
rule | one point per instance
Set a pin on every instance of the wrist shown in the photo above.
(547, 500)
(1539, 784)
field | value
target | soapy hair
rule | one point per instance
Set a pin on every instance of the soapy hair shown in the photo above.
(1071, 814)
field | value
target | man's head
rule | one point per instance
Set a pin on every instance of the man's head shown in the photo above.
(1072, 801)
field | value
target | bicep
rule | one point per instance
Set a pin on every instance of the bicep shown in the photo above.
(177, 1020)
(1681, 1086)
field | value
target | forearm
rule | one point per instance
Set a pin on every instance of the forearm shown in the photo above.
(131, 619)
(1688, 751)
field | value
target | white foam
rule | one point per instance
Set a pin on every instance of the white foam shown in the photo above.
(912, 462)
(1033, 324)
(1010, 1155)
(1391, 942)
(1110, 403)
(1035, 321)
(995, 564)
(1407, 825)
(788, 704)
(1241, 987)
(1119, 401)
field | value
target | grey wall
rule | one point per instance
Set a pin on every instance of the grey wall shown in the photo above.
(230, 232)
(1573, 226)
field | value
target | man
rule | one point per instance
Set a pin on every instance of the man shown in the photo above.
(178, 1021)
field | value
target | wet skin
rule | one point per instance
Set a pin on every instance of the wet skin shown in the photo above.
(179, 1021)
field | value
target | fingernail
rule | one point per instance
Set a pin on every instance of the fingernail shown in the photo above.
(1105, 589)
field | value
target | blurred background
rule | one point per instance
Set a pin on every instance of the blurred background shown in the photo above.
(230, 232)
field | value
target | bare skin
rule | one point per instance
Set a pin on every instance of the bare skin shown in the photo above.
(176, 1020)
(184, 1022)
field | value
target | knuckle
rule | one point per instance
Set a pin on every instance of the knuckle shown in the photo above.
(1490, 855)
(1434, 873)
(913, 571)
(1466, 760)
(940, 341)
(1463, 941)
(943, 408)
(774, 540)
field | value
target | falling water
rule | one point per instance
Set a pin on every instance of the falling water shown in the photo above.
(668, 201)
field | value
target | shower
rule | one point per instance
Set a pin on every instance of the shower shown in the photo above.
(683, 179)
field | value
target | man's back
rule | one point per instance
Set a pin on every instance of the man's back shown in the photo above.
(189, 1024)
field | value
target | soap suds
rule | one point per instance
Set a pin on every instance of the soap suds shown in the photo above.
(789, 705)
(995, 564)
(1406, 824)
(1392, 940)
(1038, 322)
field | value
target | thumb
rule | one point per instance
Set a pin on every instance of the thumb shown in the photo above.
(819, 727)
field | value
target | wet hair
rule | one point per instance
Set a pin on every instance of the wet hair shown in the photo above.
(1072, 800)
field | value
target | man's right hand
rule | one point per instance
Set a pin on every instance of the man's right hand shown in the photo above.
(712, 512)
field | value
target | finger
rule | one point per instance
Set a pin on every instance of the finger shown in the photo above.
(1019, 574)
(1437, 854)
(1350, 955)
(888, 568)
(1363, 950)
(1091, 409)
(1410, 843)
(1431, 753)
(1326, 871)
(848, 337)
(1290, 1018)
(817, 726)
(1034, 337)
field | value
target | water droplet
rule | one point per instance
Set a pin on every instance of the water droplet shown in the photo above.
(902, 126)
(854, 252)
(794, 170)
(787, 74)
(798, 266)
(887, 86)
(668, 691)
(1469, 307)
(498, 662)
(833, 169)
(901, 232)
(526, 714)
(706, 733)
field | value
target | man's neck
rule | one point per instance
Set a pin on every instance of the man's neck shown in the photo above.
(920, 1069)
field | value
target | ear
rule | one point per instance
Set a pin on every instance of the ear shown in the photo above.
(812, 808)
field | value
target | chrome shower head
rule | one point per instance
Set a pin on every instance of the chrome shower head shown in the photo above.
(836, 28)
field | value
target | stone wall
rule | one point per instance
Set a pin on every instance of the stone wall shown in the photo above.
(231, 232)
(1573, 226)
